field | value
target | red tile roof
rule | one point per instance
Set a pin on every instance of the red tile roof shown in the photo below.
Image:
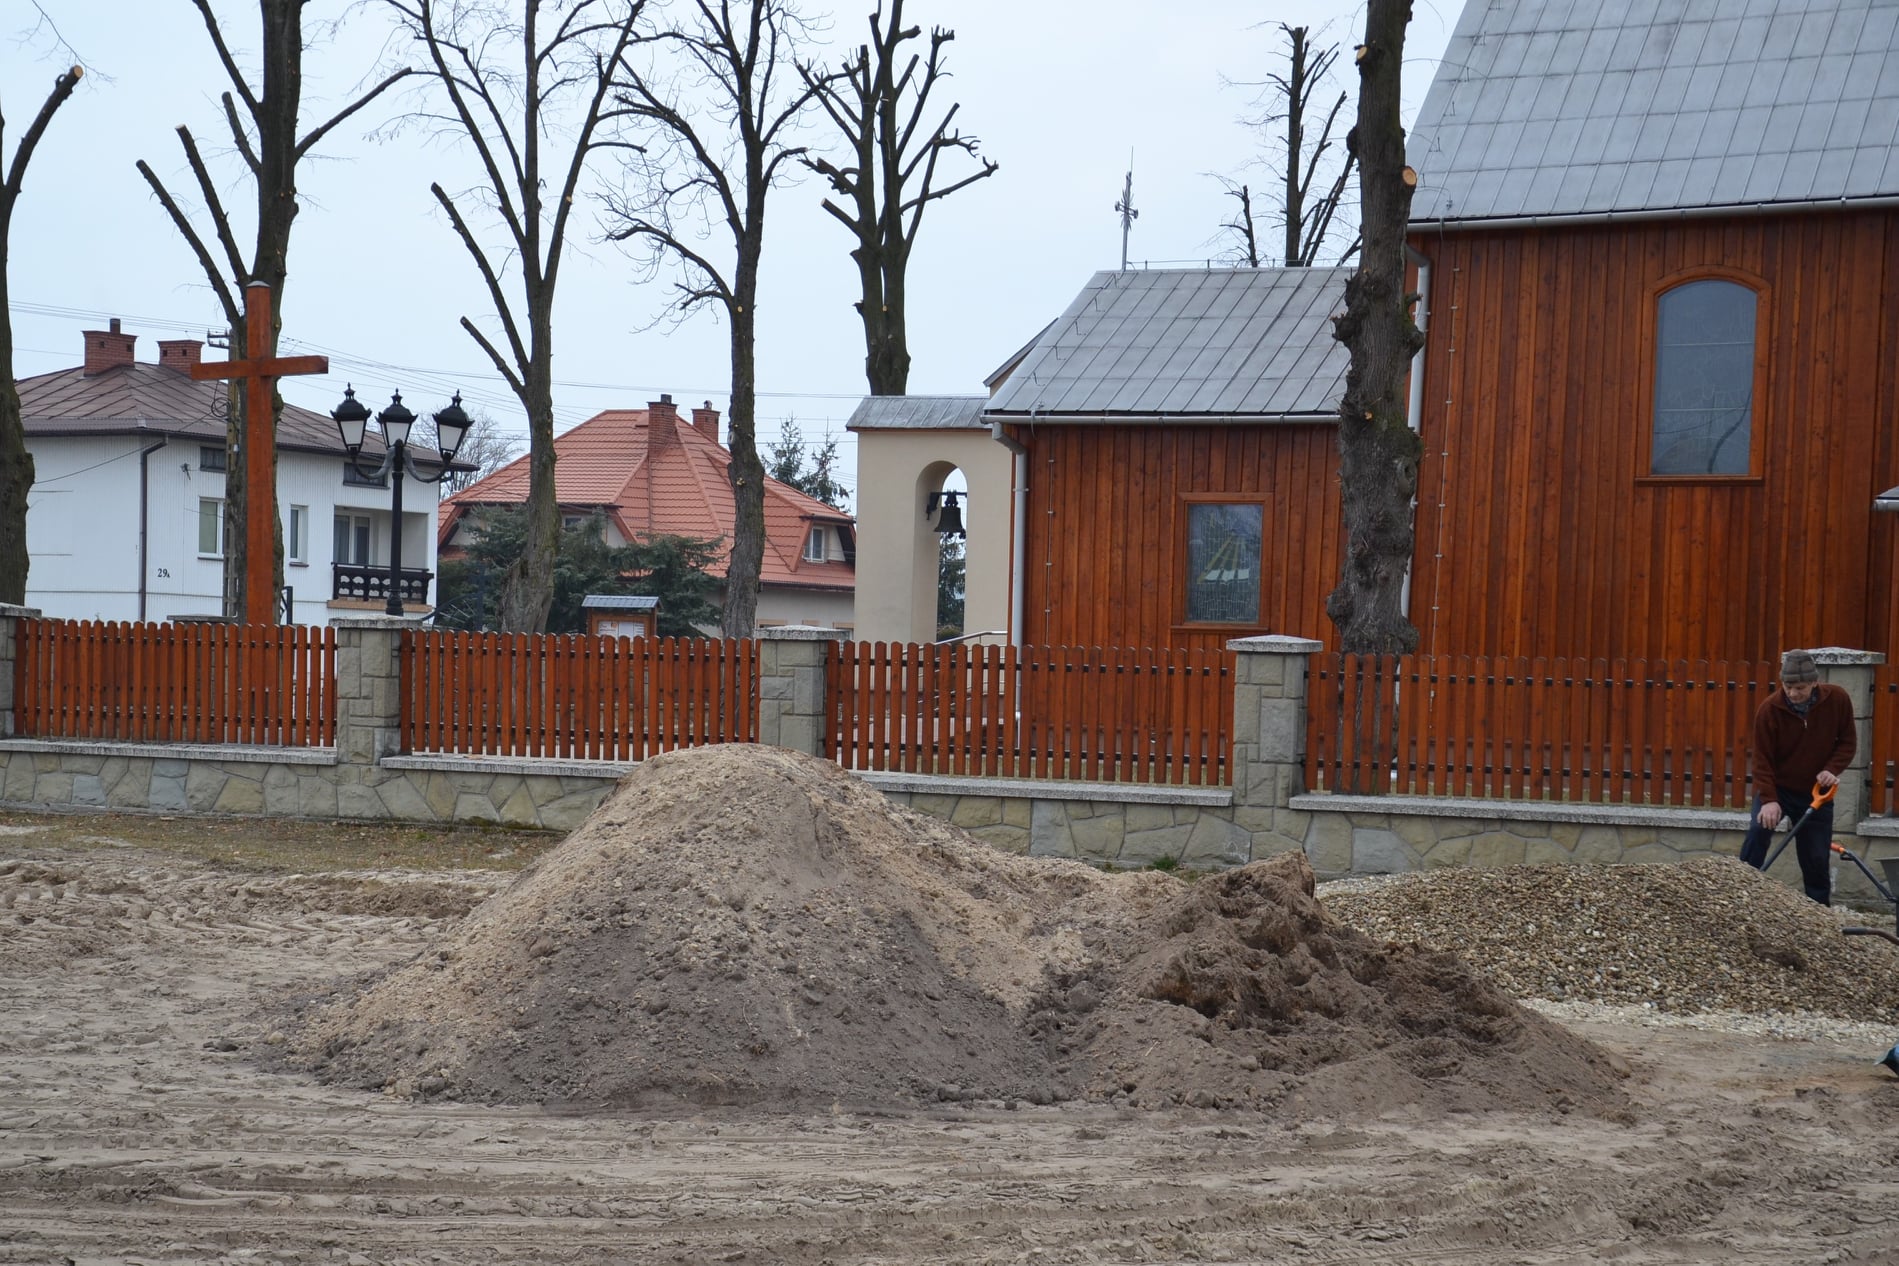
(662, 474)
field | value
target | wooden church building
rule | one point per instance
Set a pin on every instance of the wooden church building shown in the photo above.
(1657, 246)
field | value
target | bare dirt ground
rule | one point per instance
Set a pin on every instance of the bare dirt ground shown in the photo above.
(138, 993)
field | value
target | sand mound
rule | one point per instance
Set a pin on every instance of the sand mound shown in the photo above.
(747, 925)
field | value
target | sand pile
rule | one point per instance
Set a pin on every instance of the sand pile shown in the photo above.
(747, 925)
(1704, 935)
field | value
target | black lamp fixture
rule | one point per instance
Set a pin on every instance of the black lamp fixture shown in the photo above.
(950, 521)
(396, 421)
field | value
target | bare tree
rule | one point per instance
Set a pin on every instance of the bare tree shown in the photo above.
(708, 166)
(486, 448)
(1378, 451)
(1308, 215)
(263, 123)
(1242, 225)
(891, 174)
(509, 82)
(16, 464)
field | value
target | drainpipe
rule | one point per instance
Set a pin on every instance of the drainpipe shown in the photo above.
(1414, 404)
(144, 463)
(1018, 520)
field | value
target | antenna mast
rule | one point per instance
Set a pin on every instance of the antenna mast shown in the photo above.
(1126, 207)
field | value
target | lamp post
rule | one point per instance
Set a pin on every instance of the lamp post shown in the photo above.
(352, 423)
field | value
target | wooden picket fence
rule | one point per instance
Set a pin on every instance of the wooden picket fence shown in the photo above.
(267, 685)
(1048, 712)
(575, 696)
(1582, 731)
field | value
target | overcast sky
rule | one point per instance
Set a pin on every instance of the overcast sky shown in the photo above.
(1060, 92)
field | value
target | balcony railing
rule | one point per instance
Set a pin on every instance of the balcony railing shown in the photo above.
(370, 583)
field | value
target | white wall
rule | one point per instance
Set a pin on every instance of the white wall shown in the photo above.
(83, 531)
(823, 608)
(896, 549)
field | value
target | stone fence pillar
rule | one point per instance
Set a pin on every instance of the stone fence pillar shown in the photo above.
(791, 685)
(1852, 670)
(368, 687)
(1269, 739)
(10, 617)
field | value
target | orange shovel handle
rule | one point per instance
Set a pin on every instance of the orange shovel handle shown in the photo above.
(1822, 795)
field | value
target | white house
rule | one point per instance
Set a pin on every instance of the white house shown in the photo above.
(125, 518)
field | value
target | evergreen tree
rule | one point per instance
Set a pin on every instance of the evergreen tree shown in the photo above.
(674, 569)
(786, 462)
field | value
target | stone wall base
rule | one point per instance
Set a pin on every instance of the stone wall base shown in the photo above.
(1126, 826)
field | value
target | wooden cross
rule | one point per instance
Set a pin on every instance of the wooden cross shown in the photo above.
(260, 482)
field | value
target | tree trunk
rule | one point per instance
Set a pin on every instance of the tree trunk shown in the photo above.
(16, 464)
(1296, 93)
(887, 363)
(747, 472)
(527, 588)
(280, 102)
(1378, 452)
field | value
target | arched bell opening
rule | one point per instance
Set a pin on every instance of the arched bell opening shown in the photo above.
(938, 552)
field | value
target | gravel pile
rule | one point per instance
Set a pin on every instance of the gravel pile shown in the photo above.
(1708, 935)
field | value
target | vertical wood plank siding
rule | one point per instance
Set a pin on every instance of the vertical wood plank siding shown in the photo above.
(1107, 526)
(1537, 535)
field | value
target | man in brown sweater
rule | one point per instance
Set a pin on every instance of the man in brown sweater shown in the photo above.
(1803, 734)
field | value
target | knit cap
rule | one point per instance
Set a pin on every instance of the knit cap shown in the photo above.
(1798, 666)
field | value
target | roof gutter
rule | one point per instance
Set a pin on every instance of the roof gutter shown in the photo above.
(1414, 403)
(144, 503)
(996, 420)
(1592, 218)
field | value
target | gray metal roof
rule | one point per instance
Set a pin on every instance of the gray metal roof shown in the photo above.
(918, 413)
(1586, 107)
(1214, 343)
(618, 602)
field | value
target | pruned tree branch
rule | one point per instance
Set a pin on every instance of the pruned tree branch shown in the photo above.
(510, 86)
(227, 300)
(716, 118)
(323, 129)
(16, 463)
(895, 143)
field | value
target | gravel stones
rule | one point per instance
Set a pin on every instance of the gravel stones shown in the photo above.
(1700, 936)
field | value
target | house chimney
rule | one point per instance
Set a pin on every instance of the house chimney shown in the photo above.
(180, 353)
(706, 419)
(662, 422)
(107, 349)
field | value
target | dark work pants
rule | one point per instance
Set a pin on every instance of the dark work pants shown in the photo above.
(1812, 845)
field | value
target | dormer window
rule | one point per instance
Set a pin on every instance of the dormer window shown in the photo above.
(814, 546)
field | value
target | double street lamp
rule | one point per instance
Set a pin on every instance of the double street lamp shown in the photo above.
(352, 422)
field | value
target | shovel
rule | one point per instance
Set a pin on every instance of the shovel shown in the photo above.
(1821, 795)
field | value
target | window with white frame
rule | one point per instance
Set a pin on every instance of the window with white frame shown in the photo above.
(814, 546)
(210, 527)
(297, 536)
(352, 539)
